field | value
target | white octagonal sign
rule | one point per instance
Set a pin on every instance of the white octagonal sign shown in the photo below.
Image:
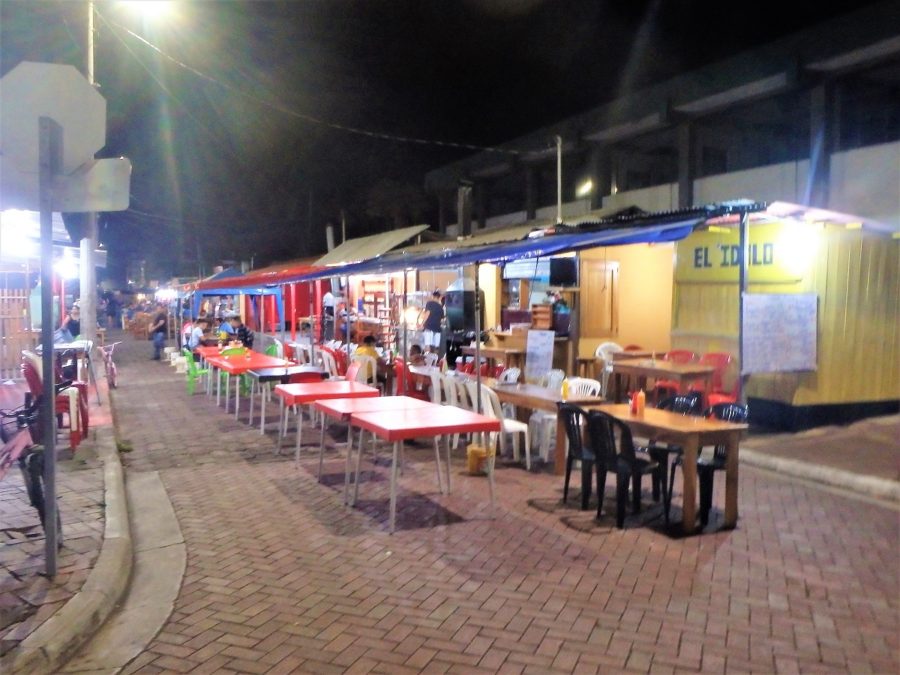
(34, 90)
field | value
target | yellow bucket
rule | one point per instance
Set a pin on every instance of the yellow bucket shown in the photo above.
(476, 456)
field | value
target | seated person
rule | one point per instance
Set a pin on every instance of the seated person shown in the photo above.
(416, 357)
(225, 331)
(241, 332)
(367, 348)
(198, 334)
(305, 335)
(70, 328)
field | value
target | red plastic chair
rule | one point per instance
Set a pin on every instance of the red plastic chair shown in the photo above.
(720, 361)
(406, 385)
(353, 371)
(36, 387)
(665, 388)
(498, 370)
(468, 367)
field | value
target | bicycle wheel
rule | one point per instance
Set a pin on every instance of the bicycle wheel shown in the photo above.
(32, 467)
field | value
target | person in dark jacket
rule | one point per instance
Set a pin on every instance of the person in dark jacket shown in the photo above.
(241, 332)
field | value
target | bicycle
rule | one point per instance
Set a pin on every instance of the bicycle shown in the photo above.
(18, 430)
(109, 364)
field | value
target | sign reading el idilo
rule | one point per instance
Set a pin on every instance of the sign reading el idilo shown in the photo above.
(34, 90)
(780, 252)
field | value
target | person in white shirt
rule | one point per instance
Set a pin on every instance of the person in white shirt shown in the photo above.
(328, 302)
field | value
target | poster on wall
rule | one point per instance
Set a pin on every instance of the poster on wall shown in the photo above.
(779, 332)
(538, 354)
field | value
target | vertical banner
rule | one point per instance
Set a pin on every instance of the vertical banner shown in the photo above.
(538, 354)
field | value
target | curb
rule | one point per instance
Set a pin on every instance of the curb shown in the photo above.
(877, 488)
(48, 648)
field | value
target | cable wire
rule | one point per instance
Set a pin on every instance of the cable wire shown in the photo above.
(308, 118)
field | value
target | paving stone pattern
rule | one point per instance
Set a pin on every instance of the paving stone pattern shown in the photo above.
(282, 578)
(27, 596)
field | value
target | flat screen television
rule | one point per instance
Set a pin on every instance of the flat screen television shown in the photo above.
(563, 271)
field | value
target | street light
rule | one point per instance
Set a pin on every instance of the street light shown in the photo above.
(88, 277)
(585, 189)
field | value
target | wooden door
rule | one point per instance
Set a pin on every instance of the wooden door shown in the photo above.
(599, 299)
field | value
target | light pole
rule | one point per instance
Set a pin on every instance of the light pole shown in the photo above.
(88, 274)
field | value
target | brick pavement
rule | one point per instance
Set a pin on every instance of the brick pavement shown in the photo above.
(281, 577)
(27, 596)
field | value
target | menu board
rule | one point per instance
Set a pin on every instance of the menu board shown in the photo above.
(538, 354)
(779, 332)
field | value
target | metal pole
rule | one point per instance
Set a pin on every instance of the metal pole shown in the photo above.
(477, 337)
(87, 270)
(743, 283)
(50, 148)
(349, 305)
(405, 348)
(313, 329)
(559, 217)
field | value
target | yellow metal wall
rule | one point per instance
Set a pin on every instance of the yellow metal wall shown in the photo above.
(856, 276)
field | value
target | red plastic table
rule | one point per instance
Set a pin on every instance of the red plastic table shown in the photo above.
(239, 364)
(434, 420)
(305, 393)
(343, 408)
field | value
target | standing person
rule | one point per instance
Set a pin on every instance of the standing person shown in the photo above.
(112, 311)
(241, 332)
(434, 314)
(328, 315)
(158, 330)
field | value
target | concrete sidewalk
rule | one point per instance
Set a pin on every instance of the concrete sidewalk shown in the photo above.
(280, 577)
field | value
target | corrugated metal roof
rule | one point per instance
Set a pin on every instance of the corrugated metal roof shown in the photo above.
(365, 248)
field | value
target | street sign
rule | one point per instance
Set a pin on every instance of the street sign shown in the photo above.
(34, 90)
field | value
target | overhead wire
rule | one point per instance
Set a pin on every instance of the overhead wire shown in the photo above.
(303, 116)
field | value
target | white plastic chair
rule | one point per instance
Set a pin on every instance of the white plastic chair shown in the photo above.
(329, 364)
(431, 358)
(584, 386)
(369, 368)
(509, 376)
(605, 351)
(491, 404)
(546, 421)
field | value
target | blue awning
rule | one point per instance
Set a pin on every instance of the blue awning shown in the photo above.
(551, 244)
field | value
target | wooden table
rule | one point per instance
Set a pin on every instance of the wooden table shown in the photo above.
(691, 433)
(657, 369)
(344, 408)
(280, 374)
(238, 364)
(535, 397)
(509, 357)
(305, 393)
(434, 420)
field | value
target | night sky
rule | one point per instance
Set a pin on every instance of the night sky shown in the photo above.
(231, 129)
